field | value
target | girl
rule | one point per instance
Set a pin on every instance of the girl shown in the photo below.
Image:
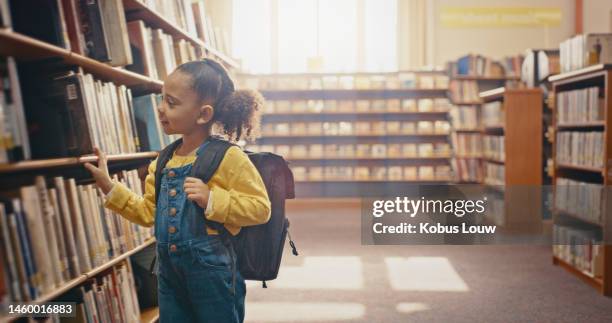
(197, 276)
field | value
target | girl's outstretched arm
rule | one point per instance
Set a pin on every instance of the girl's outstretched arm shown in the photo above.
(120, 199)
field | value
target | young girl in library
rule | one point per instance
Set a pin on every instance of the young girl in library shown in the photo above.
(197, 277)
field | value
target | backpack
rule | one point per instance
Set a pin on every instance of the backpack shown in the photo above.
(258, 248)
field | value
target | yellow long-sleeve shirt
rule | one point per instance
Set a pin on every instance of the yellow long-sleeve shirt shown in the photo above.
(237, 190)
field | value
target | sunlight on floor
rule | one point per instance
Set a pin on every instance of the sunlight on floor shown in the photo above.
(424, 274)
(338, 273)
(303, 312)
(408, 308)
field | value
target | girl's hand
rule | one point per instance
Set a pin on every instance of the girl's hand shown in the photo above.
(100, 173)
(197, 191)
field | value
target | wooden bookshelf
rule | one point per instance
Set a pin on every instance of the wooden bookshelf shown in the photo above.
(136, 10)
(75, 282)
(27, 48)
(353, 94)
(44, 164)
(347, 91)
(521, 131)
(594, 76)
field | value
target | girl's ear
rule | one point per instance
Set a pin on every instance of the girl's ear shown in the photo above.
(206, 114)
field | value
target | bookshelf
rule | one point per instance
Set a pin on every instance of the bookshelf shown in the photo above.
(356, 134)
(82, 279)
(582, 174)
(511, 128)
(109, 241)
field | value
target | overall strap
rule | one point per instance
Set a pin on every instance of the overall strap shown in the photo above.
(162, 159)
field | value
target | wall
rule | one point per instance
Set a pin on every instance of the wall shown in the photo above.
(446, 43)
(597, 16)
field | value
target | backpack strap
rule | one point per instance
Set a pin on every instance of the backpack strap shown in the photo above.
(162, 159)
(205, 166)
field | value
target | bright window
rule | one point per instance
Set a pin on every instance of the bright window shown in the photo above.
(336, 40)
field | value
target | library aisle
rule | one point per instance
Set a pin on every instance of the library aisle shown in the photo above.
(336, 279)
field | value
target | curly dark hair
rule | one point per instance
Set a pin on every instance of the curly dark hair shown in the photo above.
(238, 112)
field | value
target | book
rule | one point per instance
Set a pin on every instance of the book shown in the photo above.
(493, 114)
(580, 148)
(585, 50)
(94, 30)
(580, 106)
(114, 23)
(13, 129)
(73, 26)
(464, 117)
(141, 45)
(147, 122)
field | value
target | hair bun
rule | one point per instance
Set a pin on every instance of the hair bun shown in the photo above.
(239, 113)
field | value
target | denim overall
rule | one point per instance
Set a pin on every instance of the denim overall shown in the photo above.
(197, 276)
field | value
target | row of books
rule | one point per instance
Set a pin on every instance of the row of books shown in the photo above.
(52, 235)
(96, 29)
(578, 106)
(467, 170)
(401, 80)
(464, 117)
(581, 148)
(478, 65)
(193, 18)
(391, 105)
(99, 30)
(356, 150)
(494, 147)
(156, 54)
(584, 50)
(364, 173)
(68, 112)
(467, 144)
(495, 174)
(356, 128)
(580, 247)
(108, 298)
(464, 91)
(492, 114)
(582, 199)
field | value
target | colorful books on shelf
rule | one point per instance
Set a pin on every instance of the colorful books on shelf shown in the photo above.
(477, 65)
(464, 91)
(580, 199)
(359, 128)
(464, 117)
(581, 247)
(96, 29)
(512, 65)
(580, 148)
(585, 50)
(493, 114)
(52, 234)
(467, 144)
(70, 113)
(381, 151)
(580, 106)
(375, 173)
(467, 170)
(108, 298)
(387, 81)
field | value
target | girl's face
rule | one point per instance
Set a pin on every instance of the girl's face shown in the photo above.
(181, 111)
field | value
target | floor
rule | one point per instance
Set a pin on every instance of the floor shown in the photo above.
(336, 279)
